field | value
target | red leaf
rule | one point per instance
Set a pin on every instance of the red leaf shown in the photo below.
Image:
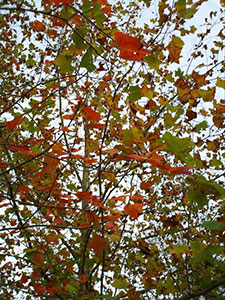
(131, 48)
(136, 156)
(133, 210)
(98, 244)
(90, 160)
(93, 217)
(83, 278)
(181, 170)
(24, 278)
(59, 221)
(83, 195)
(66, 129)
(92, 115)
(137, 197)
(120, 198)
(24, 150)
(39, 288)
(23, 188)
(125, 41)
(94, 125)
(12, 124)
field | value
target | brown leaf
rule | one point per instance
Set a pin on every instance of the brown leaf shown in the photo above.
(97, 243)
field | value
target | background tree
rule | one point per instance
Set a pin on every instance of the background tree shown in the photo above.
(112, 142)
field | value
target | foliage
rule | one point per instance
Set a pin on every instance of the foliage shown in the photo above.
(112, 150)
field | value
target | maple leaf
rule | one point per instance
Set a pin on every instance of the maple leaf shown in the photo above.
(133, 210)
(175, 47)
(131, 48)
(97, 243)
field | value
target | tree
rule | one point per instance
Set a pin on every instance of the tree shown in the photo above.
(112, 142)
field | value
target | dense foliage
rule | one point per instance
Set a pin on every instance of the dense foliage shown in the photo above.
(112, 149)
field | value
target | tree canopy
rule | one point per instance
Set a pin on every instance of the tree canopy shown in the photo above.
(112, 149)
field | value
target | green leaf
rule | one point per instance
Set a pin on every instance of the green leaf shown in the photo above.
(78, 38)
(63, 61)
(188, 13)
(86, 6)
(120, 283)
(181, 4)
(213, 225)
(152, 62)
(200, 126)
(87, 62)
(203, 253)
(201, 188)
(98, 14)
(179, 73)
(179, 146)
(70, 288)
(134, 93)
(66, 13)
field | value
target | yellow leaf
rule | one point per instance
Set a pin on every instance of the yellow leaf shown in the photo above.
(175, 47)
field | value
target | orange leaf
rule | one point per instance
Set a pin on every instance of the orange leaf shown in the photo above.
(133, 210)
(146, 185)
(12, 124)
(51, 164)
(97, 243)
(52, 237)
(38, 26)
(93, 217)
(92, 115)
